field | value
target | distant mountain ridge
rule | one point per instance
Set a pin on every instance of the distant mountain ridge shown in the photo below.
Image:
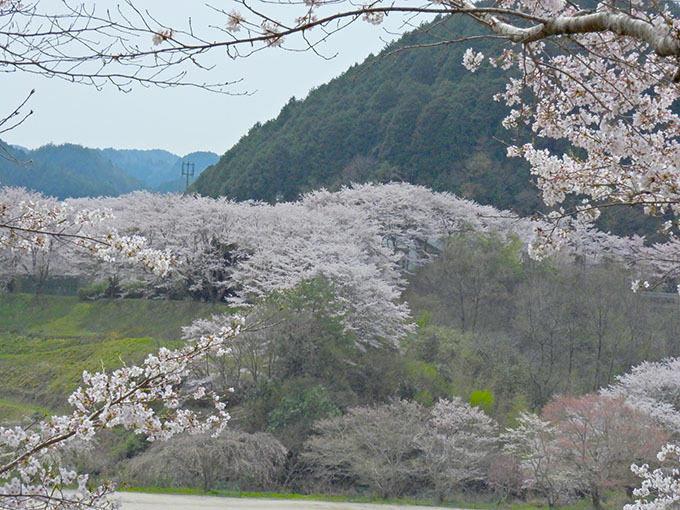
(158, 169)
(71, 170)
(65, 171)
(149, 166)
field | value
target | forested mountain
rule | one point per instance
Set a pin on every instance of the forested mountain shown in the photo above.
(74, 171)
(416, 116)
(65, 171)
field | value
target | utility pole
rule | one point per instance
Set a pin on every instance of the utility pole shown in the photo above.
(188, 170)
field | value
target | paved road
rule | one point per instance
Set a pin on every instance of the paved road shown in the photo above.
(140, 501)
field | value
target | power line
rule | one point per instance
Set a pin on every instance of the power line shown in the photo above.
(188, 170)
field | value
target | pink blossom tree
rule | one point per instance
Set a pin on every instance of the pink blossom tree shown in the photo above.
(603, 78)
(583, 444)
(597, 437)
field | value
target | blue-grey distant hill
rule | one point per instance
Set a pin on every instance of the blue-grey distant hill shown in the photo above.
(151, 167)
(200, 160)
(74, 171)
(65, 171)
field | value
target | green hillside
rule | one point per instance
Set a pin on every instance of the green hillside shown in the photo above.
(47, 341)
(415, 115)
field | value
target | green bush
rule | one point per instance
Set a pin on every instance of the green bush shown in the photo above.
(482, 399)
(302, 408)
(93, 292)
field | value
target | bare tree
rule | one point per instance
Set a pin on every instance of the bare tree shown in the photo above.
(251, 460)
(126, 44)
(375, 445)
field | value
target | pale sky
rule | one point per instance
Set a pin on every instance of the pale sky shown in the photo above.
(181, 120)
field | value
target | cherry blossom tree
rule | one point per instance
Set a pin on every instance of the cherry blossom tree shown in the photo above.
(583, 444)
(597, 437)
(194, 229)
(362, 239)
(660, 483)
(146, 399)
(30, 222)
(274, 248)
(457, 445)
(30, 259)
(533, 443)
(654, 388)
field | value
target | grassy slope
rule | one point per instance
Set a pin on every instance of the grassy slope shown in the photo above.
(47, 341)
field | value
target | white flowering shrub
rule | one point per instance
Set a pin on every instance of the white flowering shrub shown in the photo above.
(660, 487)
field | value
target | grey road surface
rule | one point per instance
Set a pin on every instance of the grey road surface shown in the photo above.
(140, 501)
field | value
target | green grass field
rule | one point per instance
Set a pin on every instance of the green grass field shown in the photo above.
(47, 341)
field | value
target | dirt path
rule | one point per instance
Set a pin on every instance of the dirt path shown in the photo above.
(140, 501)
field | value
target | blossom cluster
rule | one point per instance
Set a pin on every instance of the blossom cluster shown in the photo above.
(654, 389)
(134, 250)
(362, 239)
(611, 99)
(663, 484)
(31, 222)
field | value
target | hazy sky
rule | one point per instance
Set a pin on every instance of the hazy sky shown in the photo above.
(181, 120)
